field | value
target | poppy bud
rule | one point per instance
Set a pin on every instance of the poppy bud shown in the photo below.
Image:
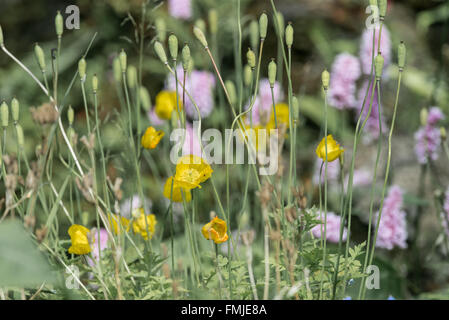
(254, 34)
(281, 24)
(378, 66)
(59, 24)
(295, 107)
(272, 71)
(289, 35)
(145, 98)
(117, 69)
(4, 114)
(325, 79)
(70, 115)
(230, 87)
(40, 57)
(131, 76)
(213, 21)
(15, 109)
(123, 61)
(251, 58)
(82, 69)
(201, 25)
(247, 75)
(95, 83)
(383, 8)
(263, 25)
(20, 137)
(160, 52)
(186, 57)
(173, 46)
(161, 29)
(199, 34)
(402, 52)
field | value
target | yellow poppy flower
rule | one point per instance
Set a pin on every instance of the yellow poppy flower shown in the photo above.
(282, 116)
(114, 219)
(166, 104)
(80, 242)
(333, 149)
(215, 230)
(178, 191)
(151, 138)
(140, 226)
(191, 171)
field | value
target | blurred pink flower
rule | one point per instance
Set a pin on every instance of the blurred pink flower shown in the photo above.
(366, 48)
(154, 119)
(393, 225)
(191, 143)
(263, 104)
(98, 246)
(133, 203)
(333, 171)
(332, 228)
(181, 9)
(428, 137)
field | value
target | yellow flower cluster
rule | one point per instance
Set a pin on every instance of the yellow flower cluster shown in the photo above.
(138, 223)
(166, 104)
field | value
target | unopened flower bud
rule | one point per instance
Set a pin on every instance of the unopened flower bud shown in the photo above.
(123, 61)
(213, 21)
(161, 29)
(145, 98)
(402, 53)
(82, 69)
(201, 25)
(186, 57)
(379, 66)
(325, 79)
(40, 57)
(295, 108)
(173, 46)
(382, 8)
(59, 24)
(230, 87)
(20, 137)
(4, 114)
(70, 115)
(117, 69)
(281, 23)
(247, 75)
(251, 58)
(443, 133)
(272, 71)
(95, 83)
(131, 76)
(160, 52)
(263, 25)
(423, 115)
(289, 35)
(199, 34)
(15, 109)
(254, 34)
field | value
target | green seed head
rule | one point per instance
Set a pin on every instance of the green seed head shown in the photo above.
(15, 109)
(383, 8)
(1, 36)
(254, 34)
(123, 61)
(201, 24)
(247, 75)
(289, 35)
(40, 57)
(82, 69)
(161, 29)
(4, 114)
(186, 57)
(20, 137)
(402, 53)
(379, 66)
(251, 58)
(263, 25)
(145, 98)
(281, 24)
(295, 107)
(424, 114)
(325, 79)
(59, 24)
(160, 52)
(173, 46)
(131, 76)
(230, 87)
(272, 71)
(95, 83)
(213, 21)
(117, 69)
(443, 133)
(199, 34)
(70, 115)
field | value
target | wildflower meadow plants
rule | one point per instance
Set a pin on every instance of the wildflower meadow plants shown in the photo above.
(109, 194)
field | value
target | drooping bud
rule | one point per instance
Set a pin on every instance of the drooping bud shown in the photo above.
(383, 8)
(82, 69)
(272, 71)
(70, 115)
(213, 21)
(4, 114)
(40, 57)
(251, 58)
(443, 133)
(423, 115)
(325, 79)
(263, 25)
(160, 52)
(230, 87)
(247, 75)
(59, 24)
(254, 34)
(173, 46)
(281, 23)
(295, 108)
(117, 69)
(186, 56)
(123, 61)
(15, 109)
(289, 35)
(199, 34)
(145, 98)
(95, 83)
(379, 66)
(1, 36)
(161, 29)
(20, 137)
(201, 25)
(131, 76)
(402, 53)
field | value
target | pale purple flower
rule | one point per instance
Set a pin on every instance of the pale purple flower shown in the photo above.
(366, 48)
(346, 67)
(393, 226)
(191, 143)
(333, 171)
(132, 204)
(98, 245)
(445, 213)
(332, 228)
(154, 119)
(181, 9)
(428, 137)
(362, 178)
(263, 104)
(200, 85)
